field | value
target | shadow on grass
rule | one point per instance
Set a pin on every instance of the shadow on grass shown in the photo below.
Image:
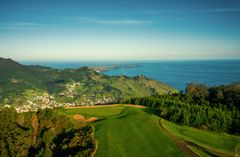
(153, 111)
(100, 119)
(121, 116)
(124, 113)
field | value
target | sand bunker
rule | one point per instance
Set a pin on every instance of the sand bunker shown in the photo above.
(81, 118)
(92, 119)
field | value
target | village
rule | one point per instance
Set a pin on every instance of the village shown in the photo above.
(47, 101)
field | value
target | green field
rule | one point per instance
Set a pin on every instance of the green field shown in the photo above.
(128, 131)
(100, 112)
(199, 152)
(219, 142)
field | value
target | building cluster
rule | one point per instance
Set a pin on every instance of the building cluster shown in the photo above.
(43, 101)
(70, 89)
(39, 100)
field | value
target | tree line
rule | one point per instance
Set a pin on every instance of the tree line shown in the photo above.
(213, 108)
(45, 133)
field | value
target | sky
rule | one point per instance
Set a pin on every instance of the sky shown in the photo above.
(119, 29)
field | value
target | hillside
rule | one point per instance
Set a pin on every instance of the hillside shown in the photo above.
(128, 131)
(43, 134)
(37, 85)
(133, 130)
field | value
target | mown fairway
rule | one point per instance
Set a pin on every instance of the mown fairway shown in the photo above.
(219, 142)
(129, 131)
(100, 112)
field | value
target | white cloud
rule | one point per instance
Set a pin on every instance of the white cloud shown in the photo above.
(218, 10)
(113, 21)
(23, 26)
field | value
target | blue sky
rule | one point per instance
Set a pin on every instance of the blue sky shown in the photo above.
(119, 30)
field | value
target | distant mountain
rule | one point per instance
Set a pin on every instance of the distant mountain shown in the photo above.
(38, 85)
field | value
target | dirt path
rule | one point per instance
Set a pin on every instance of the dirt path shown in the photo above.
(136, 106)
(112, 105)
(184, 143)
(207, 150)
(35, 125)
(180, 143)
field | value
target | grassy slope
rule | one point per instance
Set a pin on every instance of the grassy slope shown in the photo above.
(101, 112)
(137, 86)
(220, 142)
(17, 78)
(132, 132)
(199, 152)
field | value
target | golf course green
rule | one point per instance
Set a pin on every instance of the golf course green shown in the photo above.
(131, 131)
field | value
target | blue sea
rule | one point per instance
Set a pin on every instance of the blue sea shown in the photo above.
(175, 73)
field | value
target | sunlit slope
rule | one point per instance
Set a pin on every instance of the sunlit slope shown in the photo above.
(80, 86)
(129, 132)
(99, 112)
(215, 141)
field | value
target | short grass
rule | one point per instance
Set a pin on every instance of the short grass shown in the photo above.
(220, 142)
(199, 152)
(100, 112)
(129, 131)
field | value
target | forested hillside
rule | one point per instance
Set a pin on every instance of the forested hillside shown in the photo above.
(44, 133)
(34, 86)
(213, 108)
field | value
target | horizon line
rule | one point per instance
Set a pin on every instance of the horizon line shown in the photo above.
(122, 60)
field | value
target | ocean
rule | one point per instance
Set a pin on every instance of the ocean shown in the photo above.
(175, 73)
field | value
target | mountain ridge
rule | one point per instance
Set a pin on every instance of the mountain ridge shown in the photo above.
(81, 86)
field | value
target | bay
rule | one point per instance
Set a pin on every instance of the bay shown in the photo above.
(175, 73)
